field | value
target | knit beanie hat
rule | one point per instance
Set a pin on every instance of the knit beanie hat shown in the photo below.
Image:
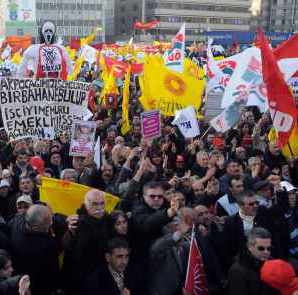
(280, 275)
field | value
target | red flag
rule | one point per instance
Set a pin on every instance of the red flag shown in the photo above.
(280, 98)
(121, 67)
(195, 282)
(91, 100)
(287, 56)
(145, 26)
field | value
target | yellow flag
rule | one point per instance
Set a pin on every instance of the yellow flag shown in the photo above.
(76, 70)
(110, 86)
(169, 91)
(66, 197)
(71, 53)
(125, 101)
(193, 69)
(90, 38)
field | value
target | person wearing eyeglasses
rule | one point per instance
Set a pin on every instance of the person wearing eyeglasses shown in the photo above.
(149, 218)
(244, 275)
(251, 215)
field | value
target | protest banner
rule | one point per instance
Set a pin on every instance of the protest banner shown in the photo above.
(150, 122)
(66, 197)
(29, 105)
(82, 140)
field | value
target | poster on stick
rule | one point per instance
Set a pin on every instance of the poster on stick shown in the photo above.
(28, 106)
(82, 140)
(150, 122)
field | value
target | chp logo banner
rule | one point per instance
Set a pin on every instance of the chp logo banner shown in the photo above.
(28, 106)
(174, 57)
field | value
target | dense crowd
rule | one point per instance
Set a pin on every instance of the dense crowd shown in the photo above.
(237, 188)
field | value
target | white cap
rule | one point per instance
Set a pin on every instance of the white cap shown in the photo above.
(25, 198)
(287, 186)
(4, 183)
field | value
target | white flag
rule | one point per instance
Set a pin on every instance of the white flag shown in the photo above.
(87, 115)
(227, 118)
(97, 153)
(187, 122)
(89, 54)
(174, 58)
(6, 53)
(246, 84)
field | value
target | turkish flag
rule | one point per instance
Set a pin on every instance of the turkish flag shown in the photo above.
(280, 98)
(145, 26)
(195, 282)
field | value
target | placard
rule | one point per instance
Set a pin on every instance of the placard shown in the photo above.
(82, 139)
(28, 106)
(150, 122)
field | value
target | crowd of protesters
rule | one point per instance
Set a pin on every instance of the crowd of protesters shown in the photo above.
(237, 188)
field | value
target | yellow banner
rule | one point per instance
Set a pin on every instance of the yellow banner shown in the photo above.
(169, 91)
(66, 197)
(125, 127)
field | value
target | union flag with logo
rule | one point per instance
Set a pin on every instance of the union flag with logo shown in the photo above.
(195, 282)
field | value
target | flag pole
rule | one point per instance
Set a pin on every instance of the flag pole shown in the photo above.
(189, 254)
(205, 133)
(290, 149)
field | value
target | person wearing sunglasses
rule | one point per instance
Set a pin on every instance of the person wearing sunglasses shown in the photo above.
(149, 218)
(244, 275)
(251, 214)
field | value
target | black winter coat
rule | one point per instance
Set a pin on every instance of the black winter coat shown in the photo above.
(36, 254)
(244, 278)
(235, 239)
(84, 250)
(148, 224)
(102, 282)
(9, 286)
(169, 265)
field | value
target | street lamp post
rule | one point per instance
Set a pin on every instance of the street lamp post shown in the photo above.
(103, 9)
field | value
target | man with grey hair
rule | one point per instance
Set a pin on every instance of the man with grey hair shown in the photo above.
(85, 240)
(244, 275)
(69, 175)
(238, 227)
(36, 251)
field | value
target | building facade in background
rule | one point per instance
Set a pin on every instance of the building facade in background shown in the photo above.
(126, 13)
(278, 16)
(199, 16)
(77, 18)
(73, 18)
